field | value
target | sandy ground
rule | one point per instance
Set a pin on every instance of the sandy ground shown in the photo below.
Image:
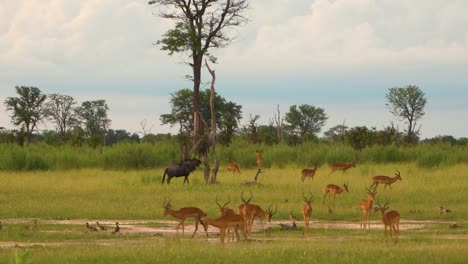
(166, 228)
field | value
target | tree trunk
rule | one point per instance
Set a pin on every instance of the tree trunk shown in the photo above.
(197, 124)
(212, 136)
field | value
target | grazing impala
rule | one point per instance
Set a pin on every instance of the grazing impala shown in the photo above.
(307, 211)
(260, 162)
(249, 211)
(308, 173)
(182, 214)
(388, 181)
(341, 166)
(233, 167)
(336, 190)
(389, 219)
(366, 208)
(224, 223)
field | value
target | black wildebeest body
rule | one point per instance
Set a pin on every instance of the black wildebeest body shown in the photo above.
(182, 169)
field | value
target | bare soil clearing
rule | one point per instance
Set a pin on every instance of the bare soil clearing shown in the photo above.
(156, 229)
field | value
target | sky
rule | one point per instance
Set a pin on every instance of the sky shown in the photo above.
(341, 55)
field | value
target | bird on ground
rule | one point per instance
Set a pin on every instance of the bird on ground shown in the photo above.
(117, 228)
(288, 226)
(102, 228)
(444, 210)
(91, 228)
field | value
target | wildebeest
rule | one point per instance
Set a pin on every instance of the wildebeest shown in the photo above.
(182, 169)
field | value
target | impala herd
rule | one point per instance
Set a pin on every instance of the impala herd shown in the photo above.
(243, 219)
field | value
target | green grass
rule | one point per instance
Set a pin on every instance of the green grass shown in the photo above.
(369, 249)
(100, 194)
(138, 194)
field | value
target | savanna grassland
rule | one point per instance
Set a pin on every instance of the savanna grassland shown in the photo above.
(63, 200)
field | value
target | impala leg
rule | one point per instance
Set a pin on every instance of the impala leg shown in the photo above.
(221, 235)
(251, 223)
(196, 227)
(368, 220)
(261, 222)
(177, 227)
(385, 232)
(237, 234)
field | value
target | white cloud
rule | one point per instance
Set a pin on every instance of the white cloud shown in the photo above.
(105, 48)
(354, 34)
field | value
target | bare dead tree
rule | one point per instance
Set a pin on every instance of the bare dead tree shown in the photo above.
(279, 124)
(144, 130)
(212, 132)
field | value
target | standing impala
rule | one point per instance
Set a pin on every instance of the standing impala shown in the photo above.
(336, 190)
(260, 162)
(225, 211)
(308, 173)
(390, 219)
(366, 208)
(182, 214)
(388, 181)
(249, 211)
(307, 211)
(341, 166)
(226, 222)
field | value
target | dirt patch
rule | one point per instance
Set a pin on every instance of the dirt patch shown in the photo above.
(166, 228)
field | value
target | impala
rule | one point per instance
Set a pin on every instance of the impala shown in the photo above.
(260, 162)
(182, 214)
(388, 181)
(233, 167)
(224, 223)
(336, 190)
(390, 219)
(308, 173)
(341, 166)
(249, 211)
(225, 211)
(307, 211)
(366, 207)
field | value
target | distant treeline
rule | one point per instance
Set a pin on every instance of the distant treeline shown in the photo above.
(133, 155)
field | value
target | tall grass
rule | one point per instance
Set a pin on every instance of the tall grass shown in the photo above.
(142, 156)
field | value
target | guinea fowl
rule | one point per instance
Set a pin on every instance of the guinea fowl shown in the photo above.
(117, 228)
(102, 228)
(91, 228)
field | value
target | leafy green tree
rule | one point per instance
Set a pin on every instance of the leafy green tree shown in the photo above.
(390, 135)
(305, 120)
(27, 109)
(92, 115)
(199, 27)
(120, 135)
(336, 133)
(228, 113)
(360, 137)
(408, 104)
(59, 109)
(251, 130)
(181, 111)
